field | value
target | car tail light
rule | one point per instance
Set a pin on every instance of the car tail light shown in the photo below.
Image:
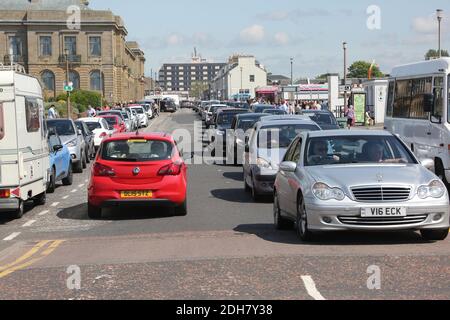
(5, 194)
(172, 169)
(101, 170)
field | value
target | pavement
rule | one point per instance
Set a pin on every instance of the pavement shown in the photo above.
(225, 248)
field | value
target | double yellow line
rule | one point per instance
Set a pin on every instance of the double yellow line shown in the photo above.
(37, 253)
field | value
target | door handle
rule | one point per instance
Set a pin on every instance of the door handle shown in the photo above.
(429, 133)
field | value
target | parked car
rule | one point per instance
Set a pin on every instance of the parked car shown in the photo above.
(148, 110)
(168, 105)
(210, 113)
(127, 121)
(21, 133)
(60, 168)
(222, 123)
(133, 118)
(111, 113)
(73, 139)
(99, 127)
(325, 119)
(88, 136)
(259, 108)
(240, 127)
(115, 123)
(264, 150)
(187, 104)
(142, 116)
(135, 169)
(358, 180)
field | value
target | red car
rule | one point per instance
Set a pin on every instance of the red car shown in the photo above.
(115, 122)
(138, 169)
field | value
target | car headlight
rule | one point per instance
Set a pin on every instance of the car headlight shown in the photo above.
(263, 163)
(436, 189)
(72, 144)
(323, 192)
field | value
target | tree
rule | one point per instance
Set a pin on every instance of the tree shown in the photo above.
(360, 69)
(197, 89)
(434, 54)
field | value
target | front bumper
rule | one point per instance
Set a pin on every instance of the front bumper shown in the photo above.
(75, 153)
(347, 216)
(10, 204)
(264, 180)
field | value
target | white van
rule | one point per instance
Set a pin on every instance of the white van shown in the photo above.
(24, 155)
(418, 110)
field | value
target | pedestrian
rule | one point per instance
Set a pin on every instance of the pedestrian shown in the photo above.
(350, 114)
(285, 107)
(91, 112)
(52, 113)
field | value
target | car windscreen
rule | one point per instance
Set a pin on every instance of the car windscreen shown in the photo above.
(274, 111)
(246, 124)
(111, 120)
(139, 110)
(213, 109)
(125, 115)
(137, 150)
(281, 136)
(63, 128)
(259, 109)
(322, 118)
(79, 126)
(111, 113)
(226, 118)
(93, 125)
(356, 149)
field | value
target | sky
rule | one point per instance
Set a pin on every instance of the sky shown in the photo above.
(391, 32)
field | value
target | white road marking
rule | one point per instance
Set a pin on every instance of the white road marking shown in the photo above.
(311, 288)
(43, 213)
(86, 181)
(11, 236)
(80, 185)
(74, 190)
(29, 223)
(55, 204)
(65, 197)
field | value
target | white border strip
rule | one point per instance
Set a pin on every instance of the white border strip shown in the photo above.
(11, 236)
(311, 288)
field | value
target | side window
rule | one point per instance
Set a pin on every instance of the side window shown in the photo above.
(2, 124)
(439, 98)
(402, 102)
(32, 115)
(297, 151)
(390, 100)
(291, 151)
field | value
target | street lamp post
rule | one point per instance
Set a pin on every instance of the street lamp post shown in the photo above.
(344, 45)
(66, 54)
(439, 14)
(292, 72)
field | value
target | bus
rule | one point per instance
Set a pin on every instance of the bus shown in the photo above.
(418, 112)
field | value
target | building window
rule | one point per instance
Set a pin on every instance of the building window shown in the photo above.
(74, 77)
(15, 45)
(70, 43)
(252, 78)
(2, 124)
(45, 46)
(48, 80)
(32, 115)
(96, 81)
(95, 46)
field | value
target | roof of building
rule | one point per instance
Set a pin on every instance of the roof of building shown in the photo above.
(41, 4)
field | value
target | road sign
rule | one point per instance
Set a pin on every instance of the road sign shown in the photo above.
(68, 87)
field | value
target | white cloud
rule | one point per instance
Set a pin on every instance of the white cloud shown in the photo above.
(425, 24)
(174, 40)
(281, 38)
(252, 35)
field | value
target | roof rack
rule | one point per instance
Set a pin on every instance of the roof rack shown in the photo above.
(13, 67)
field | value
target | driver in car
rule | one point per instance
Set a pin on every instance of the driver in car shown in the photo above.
(158, 150)
(320, 154)
(121, 150)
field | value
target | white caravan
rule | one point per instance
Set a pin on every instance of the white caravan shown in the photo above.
(24, 155)
(418, 110)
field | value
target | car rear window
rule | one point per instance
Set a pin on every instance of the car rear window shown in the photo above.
(281, 136)
(139, 110)
(63, 128)
(2, 126)
(137, 150)
(93, 125)
(111, 120)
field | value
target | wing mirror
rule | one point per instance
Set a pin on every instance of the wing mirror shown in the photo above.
(428, 163)
(57, 148)
(288, 166)
(80, 132)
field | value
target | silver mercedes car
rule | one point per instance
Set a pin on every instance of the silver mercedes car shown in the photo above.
(358, 180)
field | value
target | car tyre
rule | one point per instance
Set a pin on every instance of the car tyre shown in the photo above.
(255, 195)
(94, 212)
(181, 210)
(301, 224)
(88, 157)
(52, 184)
(18, 213)
(434, 235)
(41, 199)
(246, 186)
(67, 181)
(78, 167)
(83, 161)
(280, 222)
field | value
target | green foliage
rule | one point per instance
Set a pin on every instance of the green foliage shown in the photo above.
(433, 54)
(82, 99)
(198, 88)
(360, 69)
